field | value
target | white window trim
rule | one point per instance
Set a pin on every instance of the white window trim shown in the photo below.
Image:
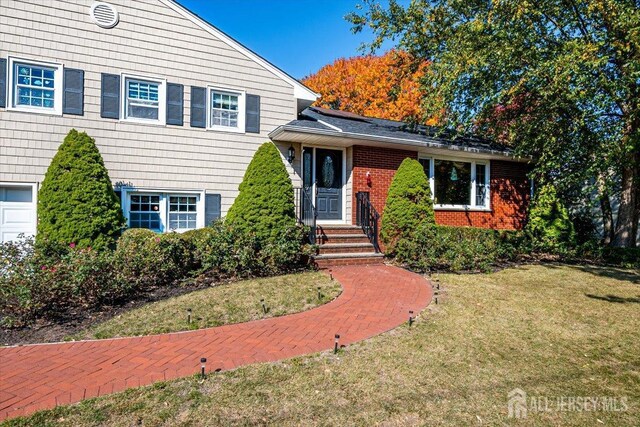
(468, 207)
(57, 87)
(242, 95)
(164, 205)
(162, 99)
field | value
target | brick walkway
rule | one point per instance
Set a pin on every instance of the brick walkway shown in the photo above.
(374, 299)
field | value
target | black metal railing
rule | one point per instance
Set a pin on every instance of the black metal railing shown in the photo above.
(367, 217)
(306, 212)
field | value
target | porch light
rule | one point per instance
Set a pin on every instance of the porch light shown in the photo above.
(291, 154)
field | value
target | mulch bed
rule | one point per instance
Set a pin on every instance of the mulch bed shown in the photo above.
(47, 331)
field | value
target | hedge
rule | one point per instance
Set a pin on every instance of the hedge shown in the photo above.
(437, 247)
(50, 280)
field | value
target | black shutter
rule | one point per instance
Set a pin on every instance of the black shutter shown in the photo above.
(73, 99)
(175, 104)
(110, 97)
(212, 208)
(3, 82)
(198, 107)
(252, 124)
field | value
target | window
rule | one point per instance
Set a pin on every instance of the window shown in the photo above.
(182, 212)
(452, 182)
(144, 100)
(226, 110)
(426, 165)
(144, 212)
(481, 185)
(36, 87)
(458, 183)
(164, 211)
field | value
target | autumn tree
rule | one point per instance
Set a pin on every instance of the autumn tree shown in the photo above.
(561, 74)
(386, 86)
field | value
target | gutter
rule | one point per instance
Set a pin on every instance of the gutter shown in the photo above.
(387, 139)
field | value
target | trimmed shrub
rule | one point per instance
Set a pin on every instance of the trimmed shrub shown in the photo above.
(76, 203)
(147, 260)
(549, 225)
(265, 204)
(435, 247)
(408, 206)
(225, 251)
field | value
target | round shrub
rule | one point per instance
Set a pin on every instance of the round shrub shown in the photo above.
(549, 225)
(76, 203)
(146, 259)
(408, 204)
(265, 204)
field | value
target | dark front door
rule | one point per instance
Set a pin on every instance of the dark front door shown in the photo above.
(329, 183)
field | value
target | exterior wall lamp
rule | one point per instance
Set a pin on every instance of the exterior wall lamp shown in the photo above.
(291, 154)
(368, 179)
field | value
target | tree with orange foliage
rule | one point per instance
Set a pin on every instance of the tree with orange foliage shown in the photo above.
(386, 86)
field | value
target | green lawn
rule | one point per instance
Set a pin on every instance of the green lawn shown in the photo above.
(549, 330)
(221, 305)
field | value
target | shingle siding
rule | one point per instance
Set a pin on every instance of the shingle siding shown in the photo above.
(150, 39)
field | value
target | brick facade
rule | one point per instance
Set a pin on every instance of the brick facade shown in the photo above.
(382, 163)
(509, 189)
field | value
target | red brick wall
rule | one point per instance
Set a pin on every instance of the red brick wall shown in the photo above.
(382, 163)
(509, 188)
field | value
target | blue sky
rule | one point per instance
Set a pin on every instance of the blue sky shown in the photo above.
(298, 36)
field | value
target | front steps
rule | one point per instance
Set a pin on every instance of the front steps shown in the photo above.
(344, 245)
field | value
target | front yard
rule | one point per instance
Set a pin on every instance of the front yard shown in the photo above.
(221, 305)
(551, 331)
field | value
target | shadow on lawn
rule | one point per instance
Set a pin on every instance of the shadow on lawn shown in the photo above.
(615, 299)
(611, 273)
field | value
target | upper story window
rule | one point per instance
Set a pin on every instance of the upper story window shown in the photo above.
(36, 87)
(458, 183)
(144, 100)
(226, 110)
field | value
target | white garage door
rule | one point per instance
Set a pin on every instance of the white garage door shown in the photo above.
(17, 211)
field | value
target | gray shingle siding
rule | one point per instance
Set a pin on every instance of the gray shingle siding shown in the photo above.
(151, 40)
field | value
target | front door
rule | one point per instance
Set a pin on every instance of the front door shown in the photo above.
(328, 174)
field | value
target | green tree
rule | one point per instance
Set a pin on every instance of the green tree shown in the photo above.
(76, 203)
(549, 225)
(408, 206)
(265, 203)
(558, 79)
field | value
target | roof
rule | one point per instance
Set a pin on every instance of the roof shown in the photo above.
(300, 91)
(344, 124)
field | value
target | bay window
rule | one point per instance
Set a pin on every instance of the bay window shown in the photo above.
(458, 183)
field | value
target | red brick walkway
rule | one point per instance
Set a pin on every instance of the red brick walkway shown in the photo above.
(375, 299)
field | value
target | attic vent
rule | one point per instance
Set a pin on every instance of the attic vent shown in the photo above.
(104, 15)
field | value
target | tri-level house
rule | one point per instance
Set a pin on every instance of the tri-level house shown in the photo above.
(178, 108)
